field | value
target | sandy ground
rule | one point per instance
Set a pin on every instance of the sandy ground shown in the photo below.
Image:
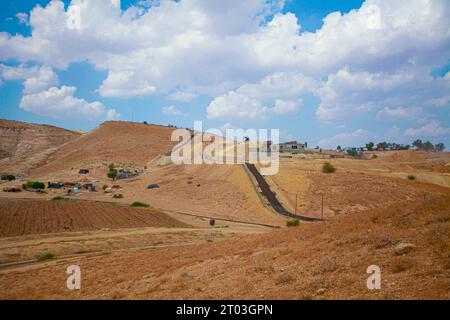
(315, 261)
(23, 248)
(357, 185)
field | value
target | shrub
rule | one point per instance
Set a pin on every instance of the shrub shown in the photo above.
(105, 187)
(374, 156)
(118, 196)
(284, 279)
(8, 177)
(46, 256)
(328, 168)
(139, 204)
(293, 223)
(34, 185)
(412, 177)
(59, 198)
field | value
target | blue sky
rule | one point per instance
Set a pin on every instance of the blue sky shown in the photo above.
(327, 72)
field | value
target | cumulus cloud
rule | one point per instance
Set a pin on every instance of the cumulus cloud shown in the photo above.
(172, 111)
(355, 138)
(247, 55)
(125, 84)
(216, 45)
(22, 17)
(348, 93)
(61, 103)
(252, 100)
(35, 78)
(226, 126)
(182, 96)
(399, 112)
(360, 137)
(285, 107)
(431, 129)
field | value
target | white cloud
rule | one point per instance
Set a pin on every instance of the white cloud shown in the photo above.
(250, 101)
(432, 129)
(60, 103)
(35, 78)
(226, 126)
(285, 107)
(44, 78)
(182, 96)
(376, 57)
(399, 113)
(172, 111)
(236, 105)
(351, 139)
(347, 93)
(125, 84)
(360, 137)
(17, 73)
(145, 47)
(217, 45)
(22, 17)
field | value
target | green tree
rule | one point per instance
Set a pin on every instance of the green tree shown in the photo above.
(352, 152)
(382, 146)
(428, 146)
(370, 146)
(35, 185)
(439, 147)
(418, 144)
(112, 174)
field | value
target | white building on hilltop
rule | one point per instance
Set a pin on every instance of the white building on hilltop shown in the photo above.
(292, 147)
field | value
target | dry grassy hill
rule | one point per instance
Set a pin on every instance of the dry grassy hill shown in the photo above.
(112, 141)
(24, 145)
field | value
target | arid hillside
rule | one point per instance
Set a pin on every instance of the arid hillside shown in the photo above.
(113, 141)
(25, 145)
(410, 244)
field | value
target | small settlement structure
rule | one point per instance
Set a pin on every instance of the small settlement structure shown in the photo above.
(292, 147)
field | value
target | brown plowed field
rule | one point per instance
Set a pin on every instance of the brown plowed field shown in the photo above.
(19, 217)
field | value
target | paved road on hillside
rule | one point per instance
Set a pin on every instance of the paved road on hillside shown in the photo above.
(276, 205)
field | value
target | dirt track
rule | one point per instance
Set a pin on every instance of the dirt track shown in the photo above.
(21, 217)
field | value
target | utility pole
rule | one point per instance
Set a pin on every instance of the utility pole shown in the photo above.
(321, 214)
(296, 196)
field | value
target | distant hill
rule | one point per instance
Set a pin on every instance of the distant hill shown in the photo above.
(112, 141)
(25, 145)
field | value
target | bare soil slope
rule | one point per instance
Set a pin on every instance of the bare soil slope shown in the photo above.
(25, 145)
(20, 217)
(113, 141)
